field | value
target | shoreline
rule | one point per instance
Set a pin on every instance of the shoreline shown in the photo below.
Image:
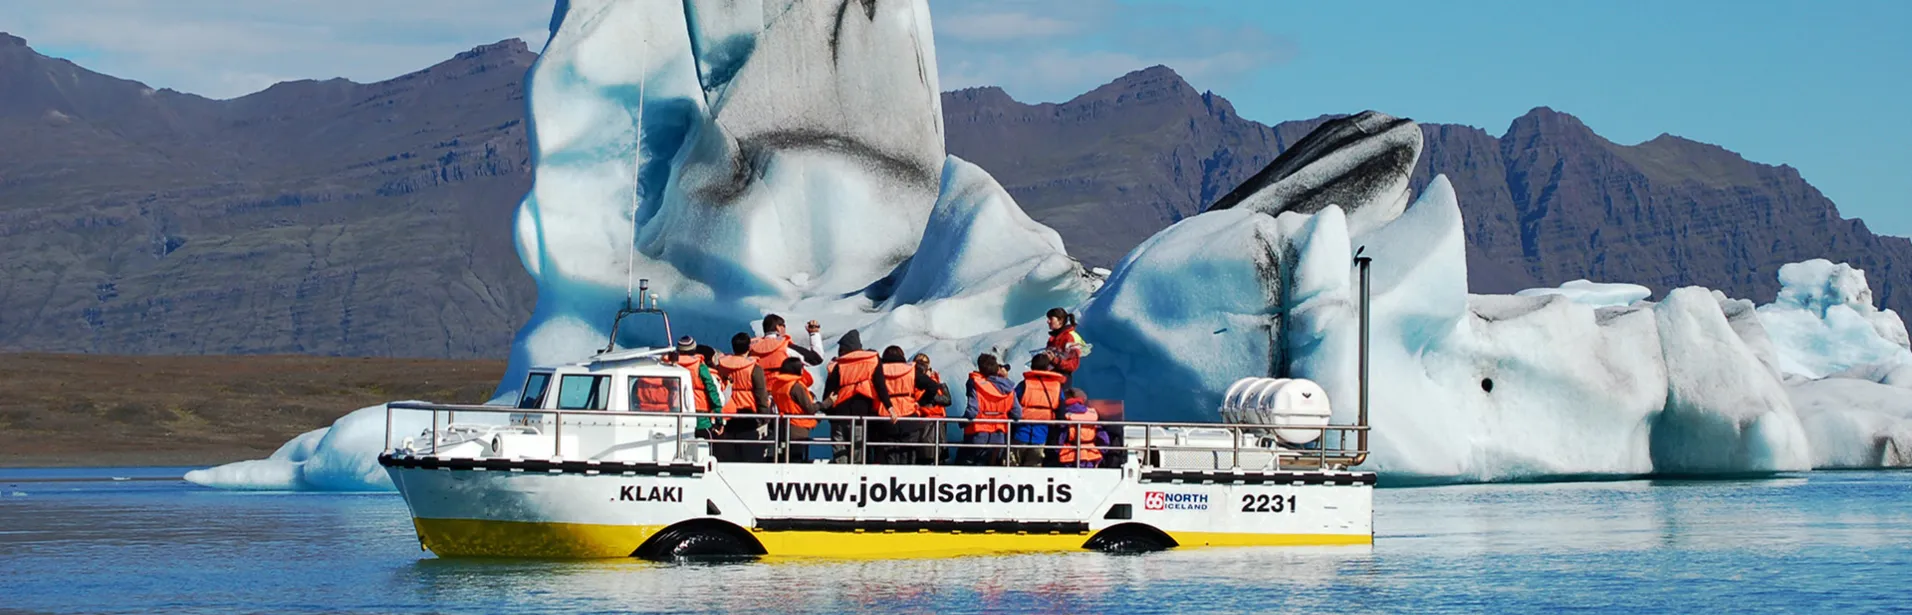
(74, 410)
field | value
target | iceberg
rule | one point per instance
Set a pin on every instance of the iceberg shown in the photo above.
(755, 156)
(1823, 323)
(1595, 294)
(343, 457)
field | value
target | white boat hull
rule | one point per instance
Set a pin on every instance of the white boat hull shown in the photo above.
(579, 509)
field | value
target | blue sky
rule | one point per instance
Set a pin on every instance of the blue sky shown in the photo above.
(1823, 87)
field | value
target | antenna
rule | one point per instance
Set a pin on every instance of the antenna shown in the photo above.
(639, 300)
(637, 165)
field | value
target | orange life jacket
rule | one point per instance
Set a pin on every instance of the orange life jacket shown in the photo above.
(781, 386)
(735, 372)
(653, 394)
(856, 373)
(770, 353)
(900, 378)
(1041, 395)
(697, 393)
(1083, 434)
(992, 406)
(933, 410)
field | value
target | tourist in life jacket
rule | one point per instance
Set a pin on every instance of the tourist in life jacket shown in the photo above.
(749, 395)
(1065, 347)
(1041, 395)
(908, 389)
(793, 400)
(654, 393)
(853, 389)
(1082, 439)
(775, 346)
(707, 394)
(934, 404)
(992, 404)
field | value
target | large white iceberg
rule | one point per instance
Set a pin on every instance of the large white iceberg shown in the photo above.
(752, 156)
(1824, 323)
(343, 457)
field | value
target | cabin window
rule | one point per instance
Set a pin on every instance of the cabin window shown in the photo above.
(583, 392)
(534, 389)
(655, 393)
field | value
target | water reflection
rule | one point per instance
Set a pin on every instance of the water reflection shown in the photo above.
(1814, 543)
(1061, 582)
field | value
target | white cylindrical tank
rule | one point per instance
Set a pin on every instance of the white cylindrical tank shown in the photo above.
(1279, 403)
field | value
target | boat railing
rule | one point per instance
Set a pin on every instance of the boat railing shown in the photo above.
(1336, 446)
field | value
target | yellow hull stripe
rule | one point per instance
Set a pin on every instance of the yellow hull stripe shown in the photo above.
(481, 538)
(473, 537)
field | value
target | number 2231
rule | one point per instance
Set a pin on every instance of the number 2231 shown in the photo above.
(1267, 503)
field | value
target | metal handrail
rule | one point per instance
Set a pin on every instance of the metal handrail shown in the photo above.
(859, 444)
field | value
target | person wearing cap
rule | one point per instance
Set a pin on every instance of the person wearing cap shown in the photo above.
(991, 406)
(708, 396)
(853, 389)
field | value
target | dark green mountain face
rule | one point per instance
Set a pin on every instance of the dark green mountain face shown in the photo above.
(375, 219)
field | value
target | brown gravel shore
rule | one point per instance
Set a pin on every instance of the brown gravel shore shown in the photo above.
(100, 410)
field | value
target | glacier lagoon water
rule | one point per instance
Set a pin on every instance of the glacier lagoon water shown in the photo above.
(77, 541)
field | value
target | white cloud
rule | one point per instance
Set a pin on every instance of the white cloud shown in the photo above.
(223, 49)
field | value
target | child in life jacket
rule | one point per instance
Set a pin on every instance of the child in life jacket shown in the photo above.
(1082, 439)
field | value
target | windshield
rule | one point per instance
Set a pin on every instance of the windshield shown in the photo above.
(583, 392)
(534, 389)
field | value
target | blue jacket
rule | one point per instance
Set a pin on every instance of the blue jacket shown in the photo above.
(1030, 433)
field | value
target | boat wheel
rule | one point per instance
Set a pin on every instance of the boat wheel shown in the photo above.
(1129, 540)
(696, 544)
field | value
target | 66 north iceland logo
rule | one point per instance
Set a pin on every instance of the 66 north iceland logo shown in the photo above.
(1158, 500)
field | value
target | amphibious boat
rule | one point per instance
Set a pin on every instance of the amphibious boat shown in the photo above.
(571, 470)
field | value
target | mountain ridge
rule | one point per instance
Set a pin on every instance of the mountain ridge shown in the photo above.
(344, 218)
(1518, 222)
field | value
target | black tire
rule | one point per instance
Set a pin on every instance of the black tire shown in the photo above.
(708, 545)
(1128, 542)
(696, 545)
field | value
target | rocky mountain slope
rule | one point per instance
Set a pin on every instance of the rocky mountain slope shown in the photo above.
(324, 217)
(373, 219)
(1547, 202)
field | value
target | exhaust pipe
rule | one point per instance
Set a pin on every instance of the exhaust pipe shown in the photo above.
(1363, 263)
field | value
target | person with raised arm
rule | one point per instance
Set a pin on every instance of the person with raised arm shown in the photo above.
(775, 345)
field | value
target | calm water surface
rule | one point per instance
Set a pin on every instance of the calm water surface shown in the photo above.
(1823, 542)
